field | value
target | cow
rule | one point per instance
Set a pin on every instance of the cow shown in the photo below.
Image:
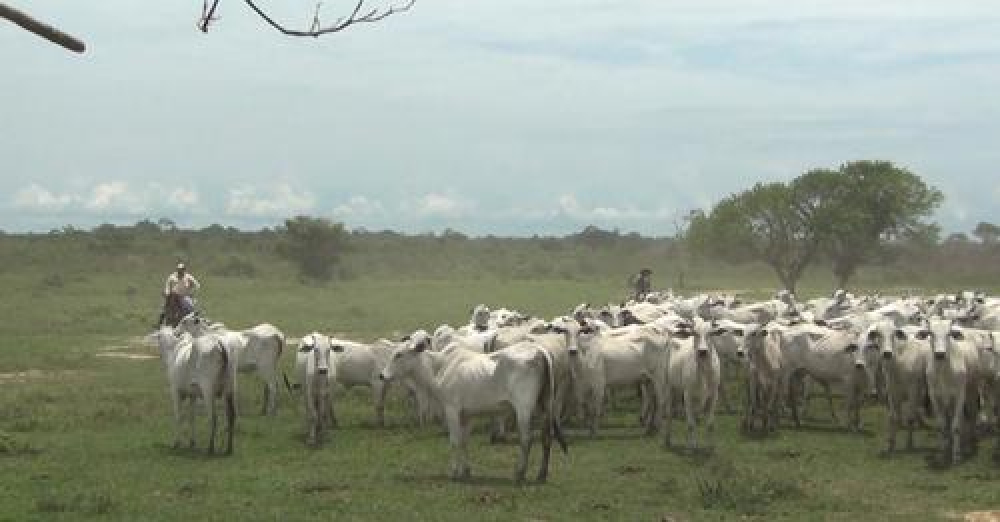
(904, 366)
(600, 360)
(952, 373)
(198, 367)
(693, 370)
(473, 383)
(314, 367)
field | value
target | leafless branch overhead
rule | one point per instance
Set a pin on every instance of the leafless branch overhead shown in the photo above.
(360, 14)
(44, 30)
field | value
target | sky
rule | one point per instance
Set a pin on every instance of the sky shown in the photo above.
(509, 118)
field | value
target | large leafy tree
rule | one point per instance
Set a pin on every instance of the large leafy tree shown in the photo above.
(988, 233)
(868, 203)
(314, 244)
(848, 214)
(771, 222)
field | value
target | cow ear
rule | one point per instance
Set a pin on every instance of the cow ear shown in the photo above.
(421, 346)
(957, 335)
(851, 348)
(821, 322)
(923, 335)
(718, 331)
(337, 348)
(900, 335)
(738, 332)
(682, 334)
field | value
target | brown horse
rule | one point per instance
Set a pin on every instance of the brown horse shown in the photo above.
(173, 310)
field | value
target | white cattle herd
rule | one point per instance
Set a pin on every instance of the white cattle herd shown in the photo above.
(927, 360)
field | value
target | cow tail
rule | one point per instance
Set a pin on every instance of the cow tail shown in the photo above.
(549, 398)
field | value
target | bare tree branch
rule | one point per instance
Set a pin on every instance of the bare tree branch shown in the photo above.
(207, 15)
(44, 30)
(317, 29)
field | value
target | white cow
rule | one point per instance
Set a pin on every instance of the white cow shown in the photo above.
(313, 365)
(693, 371)
(473, 383)
(602, 360)
(829, 357)
(255, 350)
(198, 368)
(359, 364)
(952, 373)
(904, 365)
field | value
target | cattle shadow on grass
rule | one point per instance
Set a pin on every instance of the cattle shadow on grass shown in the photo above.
(185, 452)
(474, 480)
(832, 428)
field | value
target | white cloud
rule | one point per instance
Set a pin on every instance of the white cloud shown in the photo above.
(278, 201)
(182, 197)
(116, 196)
(36, 197)
(569, 206)
(442, 206)
(359, 207)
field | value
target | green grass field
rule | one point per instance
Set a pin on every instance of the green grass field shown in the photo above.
(84, 435)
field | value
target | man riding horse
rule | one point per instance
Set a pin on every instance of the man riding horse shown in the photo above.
(178, 295)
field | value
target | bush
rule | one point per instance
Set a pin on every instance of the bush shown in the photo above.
(236, 266)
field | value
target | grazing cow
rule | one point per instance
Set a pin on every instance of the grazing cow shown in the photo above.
(198, 368)
(472, 383)
(904, 366)
(313, 364)
(693, 371)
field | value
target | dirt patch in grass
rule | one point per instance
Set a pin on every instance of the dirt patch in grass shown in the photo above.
(125, 355)
(34, 374)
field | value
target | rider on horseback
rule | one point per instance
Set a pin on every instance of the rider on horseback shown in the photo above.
(180, 288)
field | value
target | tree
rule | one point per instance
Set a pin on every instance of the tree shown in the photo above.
(988, 233)
(360, 14)
(314, 244)
(861, 206)
(772, 223)
(42, 29)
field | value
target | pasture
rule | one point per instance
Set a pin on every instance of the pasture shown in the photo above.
(85, 431)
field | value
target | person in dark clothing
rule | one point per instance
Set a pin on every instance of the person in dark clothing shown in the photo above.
(643, 284)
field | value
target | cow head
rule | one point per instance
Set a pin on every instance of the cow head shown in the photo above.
(405, 356)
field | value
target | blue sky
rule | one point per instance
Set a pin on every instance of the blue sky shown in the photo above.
(512, 118)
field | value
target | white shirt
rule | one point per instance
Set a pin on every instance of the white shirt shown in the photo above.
(182, 285)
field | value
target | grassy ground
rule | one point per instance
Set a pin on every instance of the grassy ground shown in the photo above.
(83, 435)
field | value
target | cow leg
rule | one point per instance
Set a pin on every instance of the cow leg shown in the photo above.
(956, 425)
(710, 404)
(829, 401)
(454, 422)
(466, 421)
(597, 412)
(378, 392)
(213, 415)
(523, 414)
(191, 414)
(178, 418)
(894, 421)
(690, 411)
(230, 421)
(667, 414)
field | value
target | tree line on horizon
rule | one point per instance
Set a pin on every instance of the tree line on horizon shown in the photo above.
(862, 213)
